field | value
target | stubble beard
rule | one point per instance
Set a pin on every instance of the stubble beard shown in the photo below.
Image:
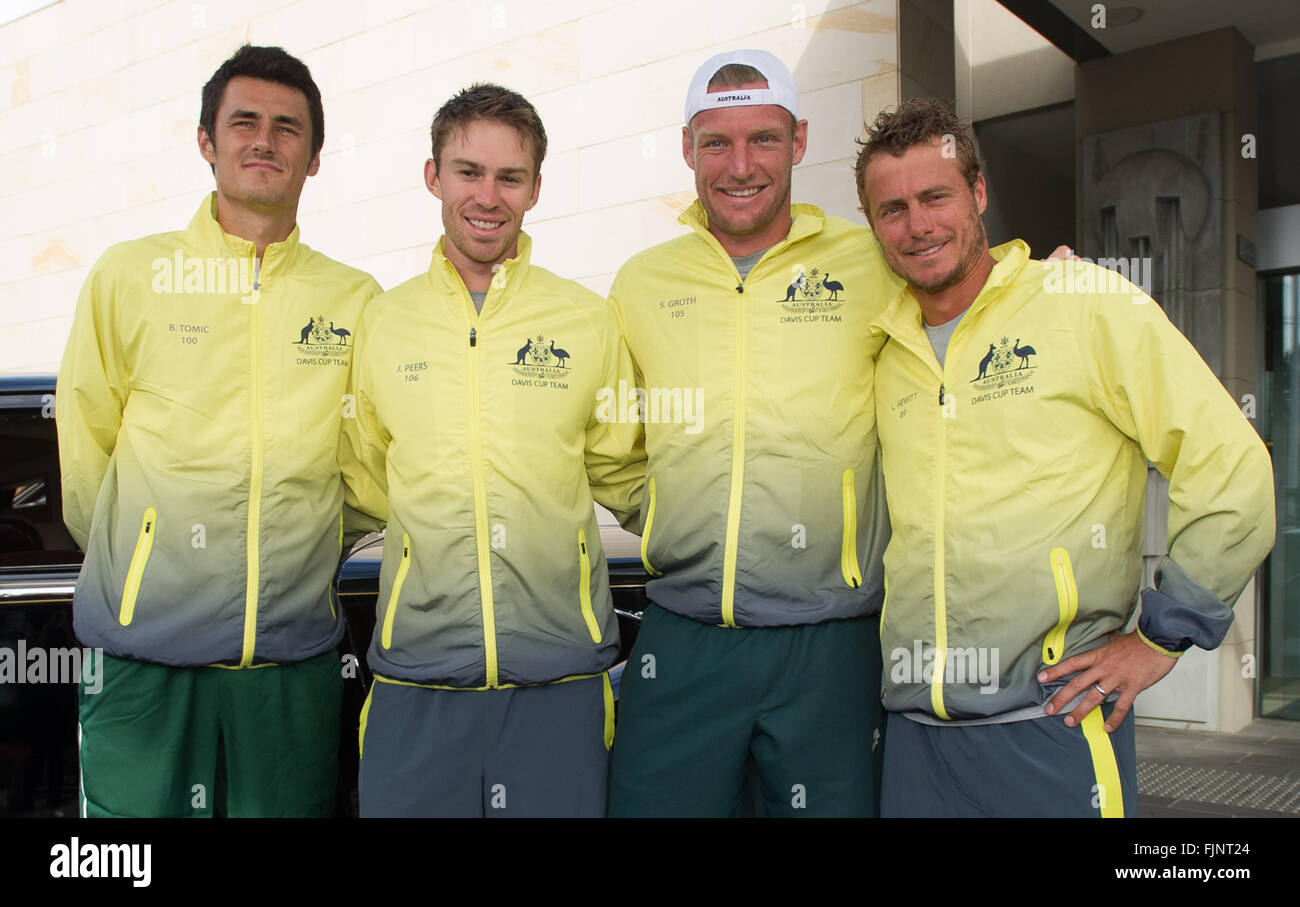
(968, 263)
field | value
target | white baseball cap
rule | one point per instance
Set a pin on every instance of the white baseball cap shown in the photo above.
(780, 88)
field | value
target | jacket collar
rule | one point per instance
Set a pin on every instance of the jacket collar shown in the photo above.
(510, 274)
(807, 220)
(208, 234)
(902, 317)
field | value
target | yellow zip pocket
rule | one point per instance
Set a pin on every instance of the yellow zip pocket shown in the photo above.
(143, 545)
(1067, 600)
(584, 587)
(849, 546)
(386, 639)
(645, 532)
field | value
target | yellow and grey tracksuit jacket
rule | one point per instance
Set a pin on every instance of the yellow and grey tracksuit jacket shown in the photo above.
(480, 440)
(1016, 474)
(763, 506)
(199, 408)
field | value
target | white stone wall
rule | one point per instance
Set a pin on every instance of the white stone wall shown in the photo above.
(1003, 65)
(99, 103)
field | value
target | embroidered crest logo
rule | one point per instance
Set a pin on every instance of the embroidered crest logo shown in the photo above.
(541, 362)
(321, 342)
(1005, 364)
(812, 291)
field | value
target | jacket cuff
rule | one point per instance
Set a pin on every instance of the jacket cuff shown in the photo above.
(1180, 613)
(1150, 645)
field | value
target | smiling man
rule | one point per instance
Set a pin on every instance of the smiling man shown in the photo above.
(764, 527)
(479, 442)
(1016, 419)
(198, 434)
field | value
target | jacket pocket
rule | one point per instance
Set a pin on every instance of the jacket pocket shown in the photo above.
(584, 586)
(135, 573)
(849, 545)
(645, 531)
(1067, 603)
(390, 613)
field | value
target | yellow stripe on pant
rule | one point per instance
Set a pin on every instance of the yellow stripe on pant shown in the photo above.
(609, 710)
(1110, 796)
(361, 727)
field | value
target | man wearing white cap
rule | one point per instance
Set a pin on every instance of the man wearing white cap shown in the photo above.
(763, 521)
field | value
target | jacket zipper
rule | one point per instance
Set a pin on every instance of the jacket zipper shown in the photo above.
(481, 517)
(134, 573)
(390, 613)
(584, 586)
(737, 468)
(730, 549)
(940, 587)
(940, 596)
(255, 480)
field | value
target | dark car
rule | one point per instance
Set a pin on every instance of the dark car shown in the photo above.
(39, 564)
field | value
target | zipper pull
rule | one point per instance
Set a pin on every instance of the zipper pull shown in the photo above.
(740, 288)
(941, 393)
(473, 337)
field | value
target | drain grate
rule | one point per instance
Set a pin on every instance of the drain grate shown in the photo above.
(1219, 785)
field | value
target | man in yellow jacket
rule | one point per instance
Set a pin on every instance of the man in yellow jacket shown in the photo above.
(763, 520)
(482, 433)
(200, 401)
(1018, 403)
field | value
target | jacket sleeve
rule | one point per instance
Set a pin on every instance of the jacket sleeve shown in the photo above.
(363, 451)
(615, 450)
(91, 394)
(1150, 382)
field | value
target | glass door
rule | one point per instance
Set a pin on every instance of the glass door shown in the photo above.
(1279, 619)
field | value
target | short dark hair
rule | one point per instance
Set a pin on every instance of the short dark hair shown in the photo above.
(917, 121)
(271, 64)
(485, 101)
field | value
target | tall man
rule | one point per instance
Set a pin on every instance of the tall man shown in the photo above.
(200, 401)
(764, 524)
(480, 439)
(1018, 405)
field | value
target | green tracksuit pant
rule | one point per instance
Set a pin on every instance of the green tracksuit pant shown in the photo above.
(174, 742)
(791, 711)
